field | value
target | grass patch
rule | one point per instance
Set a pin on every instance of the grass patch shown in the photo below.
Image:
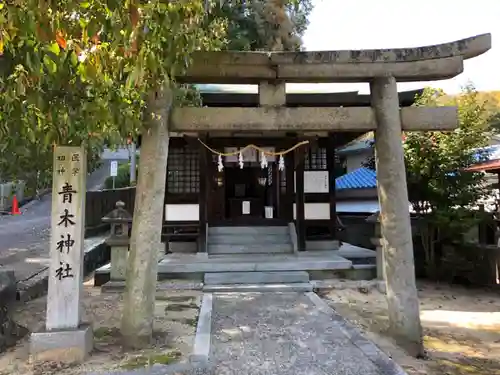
(150, 360)
(193, 322)
(178, 298)
(103, 332)
(180, 306)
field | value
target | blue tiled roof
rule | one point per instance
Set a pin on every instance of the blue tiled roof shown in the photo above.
(364, 178)
(361, 178)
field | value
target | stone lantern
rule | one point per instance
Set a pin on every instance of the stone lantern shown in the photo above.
(120, 221)
(376, 240)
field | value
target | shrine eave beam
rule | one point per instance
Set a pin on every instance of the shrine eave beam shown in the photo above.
(428, 63)
(347, 119)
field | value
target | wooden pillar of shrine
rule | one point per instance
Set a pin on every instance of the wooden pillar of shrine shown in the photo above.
(203, 196)
(290, 184)
(330, 164)
(300, 199)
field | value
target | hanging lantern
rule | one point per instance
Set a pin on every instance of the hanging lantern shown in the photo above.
(281, 163)
(263, 160)
(220, 165)
(240, 160)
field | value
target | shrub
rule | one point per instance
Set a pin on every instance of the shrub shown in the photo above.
(122, 180)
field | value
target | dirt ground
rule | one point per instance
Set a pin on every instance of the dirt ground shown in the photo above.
(461, 327)
(175, 326)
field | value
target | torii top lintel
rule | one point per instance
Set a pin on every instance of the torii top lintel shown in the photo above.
(436, 62)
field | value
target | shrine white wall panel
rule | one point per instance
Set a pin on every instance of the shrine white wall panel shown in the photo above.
(182, 212)
(314, 211)
(314, 182)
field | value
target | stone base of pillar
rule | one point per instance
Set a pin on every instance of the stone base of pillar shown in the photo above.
(67, 346)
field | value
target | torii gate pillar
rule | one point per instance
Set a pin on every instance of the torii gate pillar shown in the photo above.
(402, 298)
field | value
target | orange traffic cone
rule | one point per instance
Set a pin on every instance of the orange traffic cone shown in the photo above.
(15, 206)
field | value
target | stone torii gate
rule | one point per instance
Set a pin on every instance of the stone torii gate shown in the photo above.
(382, 69)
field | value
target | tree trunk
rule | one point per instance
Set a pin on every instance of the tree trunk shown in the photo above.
(142, 267)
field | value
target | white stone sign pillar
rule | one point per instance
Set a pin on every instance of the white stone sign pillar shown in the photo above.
(66, 338)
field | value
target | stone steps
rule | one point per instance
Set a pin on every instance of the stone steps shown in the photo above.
(269, 277)
(273, 248)
(249, 240)
(250, 257)
(248, 230)
(238, 238)
(245, 288)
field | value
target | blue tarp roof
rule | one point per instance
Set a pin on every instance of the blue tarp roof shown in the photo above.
(489, 153)
(361, 178)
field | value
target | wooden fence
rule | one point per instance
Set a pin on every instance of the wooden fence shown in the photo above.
(101, 202)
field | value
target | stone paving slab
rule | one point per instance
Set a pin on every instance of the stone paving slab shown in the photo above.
(288, 333)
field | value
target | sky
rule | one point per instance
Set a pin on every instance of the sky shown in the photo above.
(370, 24)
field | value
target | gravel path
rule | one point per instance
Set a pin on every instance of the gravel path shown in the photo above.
(24, 239)
(274, 334)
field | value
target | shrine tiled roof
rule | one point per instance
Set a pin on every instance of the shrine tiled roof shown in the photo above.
(361, 178)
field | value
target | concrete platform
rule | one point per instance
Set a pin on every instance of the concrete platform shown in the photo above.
(195, 266)
(190, 264)
(355, 252)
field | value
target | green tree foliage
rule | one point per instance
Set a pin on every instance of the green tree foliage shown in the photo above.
(76, 72)
(87, 71)
(436, 162)
(440, 189)
(266, 25)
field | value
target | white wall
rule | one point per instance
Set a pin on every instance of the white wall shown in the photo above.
(314, 211)
(314, 182)
(182, 212)
(190, 212)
